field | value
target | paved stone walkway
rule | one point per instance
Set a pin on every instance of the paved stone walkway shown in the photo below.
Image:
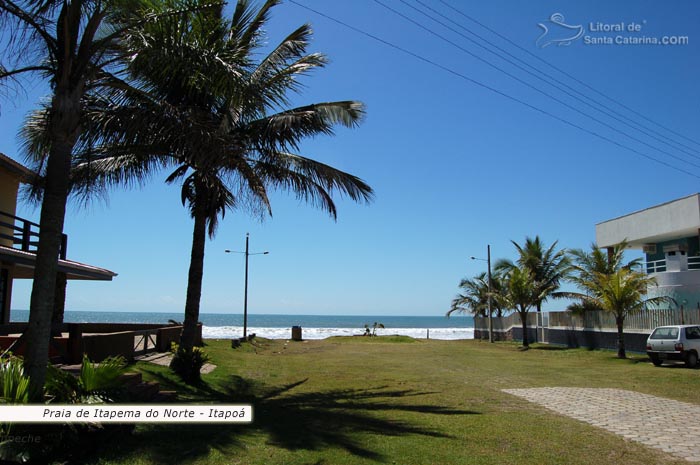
(164, 359)
(665, 424)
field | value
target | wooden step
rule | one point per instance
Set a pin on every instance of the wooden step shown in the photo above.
(165, 396)
(138, 389)
(131, 379)
(144, 391)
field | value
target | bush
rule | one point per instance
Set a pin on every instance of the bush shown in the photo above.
(14, 387)
(42, 443)
(372, 330)
(187, 363)
(96, 382)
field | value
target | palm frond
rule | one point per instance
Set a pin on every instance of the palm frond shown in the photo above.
(286, 129)
(311, 180)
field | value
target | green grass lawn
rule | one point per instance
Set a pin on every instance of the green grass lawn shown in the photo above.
(396, 400)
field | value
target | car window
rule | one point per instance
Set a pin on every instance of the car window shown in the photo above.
(665, 333)
(692, 333)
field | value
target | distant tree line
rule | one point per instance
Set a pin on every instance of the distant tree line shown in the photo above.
(606, 283)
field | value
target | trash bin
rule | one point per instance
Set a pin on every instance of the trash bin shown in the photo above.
(296, 333)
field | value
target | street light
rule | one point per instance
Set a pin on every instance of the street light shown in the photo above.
(488, 260)
(245, 298)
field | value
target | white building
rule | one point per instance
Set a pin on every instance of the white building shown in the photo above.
(668, 235)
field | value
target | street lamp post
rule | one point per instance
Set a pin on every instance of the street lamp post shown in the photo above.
(488, 260)
(245, 293)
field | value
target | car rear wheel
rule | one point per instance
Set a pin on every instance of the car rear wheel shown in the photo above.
(691, 360)
(656, 361)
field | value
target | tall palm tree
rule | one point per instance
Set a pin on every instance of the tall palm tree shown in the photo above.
(74, 47)
(548, 267)
(610, 285)
(218, 119)
(475, 295)
(520, 292)
(597, 260)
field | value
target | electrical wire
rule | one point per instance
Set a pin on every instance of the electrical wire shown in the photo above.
(535, 88)
(674, 144)
(492, 89)
(570, 76)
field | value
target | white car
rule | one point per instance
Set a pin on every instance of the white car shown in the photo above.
(678, 342)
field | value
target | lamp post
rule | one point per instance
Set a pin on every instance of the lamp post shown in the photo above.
(245, 294)
(488, 261)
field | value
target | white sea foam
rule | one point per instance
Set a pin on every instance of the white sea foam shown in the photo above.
(228, 332)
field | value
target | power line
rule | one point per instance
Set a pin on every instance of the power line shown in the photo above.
(525, 83)
(491, 89)
(544, 77)
(456, 10)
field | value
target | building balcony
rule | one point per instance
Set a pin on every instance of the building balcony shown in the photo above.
(662, 266)
(682, 283)
(22, 234)
(19, 239)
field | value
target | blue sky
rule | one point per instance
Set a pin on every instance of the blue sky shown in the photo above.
(454, 166)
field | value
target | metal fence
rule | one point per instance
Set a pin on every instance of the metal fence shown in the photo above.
(504, 323)
(645, 320)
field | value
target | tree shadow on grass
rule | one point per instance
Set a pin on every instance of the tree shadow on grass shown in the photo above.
(333, 418)
(336, 418)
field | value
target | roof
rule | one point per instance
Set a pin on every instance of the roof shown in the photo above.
(24, 262)
(25, 174)
(676, 219)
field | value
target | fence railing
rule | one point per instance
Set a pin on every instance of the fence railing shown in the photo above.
(506, 322)
(645, 320)
(145, 341)
(659, 266)
(694, 263)
(655, 266)
(24, 234)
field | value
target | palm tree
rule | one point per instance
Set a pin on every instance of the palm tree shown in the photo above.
(520, 292)
(548, 267)
(218, 119)
(475, 295)
(608, 261)
(612, 286)
(74, 47)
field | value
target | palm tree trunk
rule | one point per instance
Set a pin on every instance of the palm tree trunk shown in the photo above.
(59, 304)
(64, 129)
(194, 281)
(523, 320)
(619, 321)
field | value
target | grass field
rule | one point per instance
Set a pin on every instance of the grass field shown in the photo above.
(396, 400)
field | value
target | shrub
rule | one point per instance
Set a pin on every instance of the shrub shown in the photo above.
(95, 383)
(15, 385)
(372, 330)
(187, 363)
(46, 442)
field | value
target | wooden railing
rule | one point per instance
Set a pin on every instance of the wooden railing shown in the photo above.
(24, 234)
(145, 341)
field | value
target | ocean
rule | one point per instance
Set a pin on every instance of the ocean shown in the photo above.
(226, 326)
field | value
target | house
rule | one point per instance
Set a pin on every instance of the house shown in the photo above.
(18, 244)
(19, 238)
(669, 236)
